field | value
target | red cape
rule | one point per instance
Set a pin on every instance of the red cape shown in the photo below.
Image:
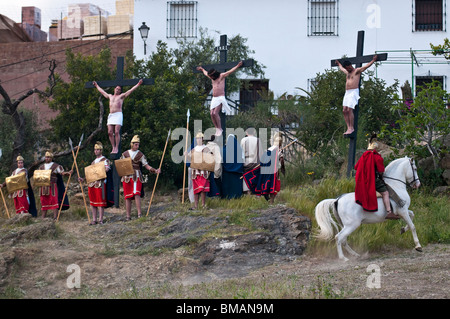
(365, 193)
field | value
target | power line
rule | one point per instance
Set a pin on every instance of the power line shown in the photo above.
(76, 46)
(61, 61)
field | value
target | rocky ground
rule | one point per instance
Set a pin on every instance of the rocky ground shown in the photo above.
(185, 249)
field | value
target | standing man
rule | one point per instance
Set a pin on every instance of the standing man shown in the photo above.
(252, 148)
(97, 190)
(269, 183)
(369, 180)
(219, 101)
(51, 196)
(22, 198)
(132, 184)
(115, 117)
(351, 96)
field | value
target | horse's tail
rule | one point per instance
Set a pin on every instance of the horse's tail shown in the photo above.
(325, 220)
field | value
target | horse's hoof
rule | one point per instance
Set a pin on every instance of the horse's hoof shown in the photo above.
(419, 249)
(402, 231)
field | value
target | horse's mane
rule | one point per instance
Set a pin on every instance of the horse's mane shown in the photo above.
(396, 162)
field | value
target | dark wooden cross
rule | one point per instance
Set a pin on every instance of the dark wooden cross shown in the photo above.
(119, 81)
(358, 60)
(223, 66)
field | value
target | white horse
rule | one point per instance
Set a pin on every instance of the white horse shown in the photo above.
(350, 215)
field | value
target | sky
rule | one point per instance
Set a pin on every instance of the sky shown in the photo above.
(50, 9)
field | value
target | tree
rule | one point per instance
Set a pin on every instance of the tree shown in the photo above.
(442, 49)
(192, 53)
(424, 124)
(10, 107)
(322, 120)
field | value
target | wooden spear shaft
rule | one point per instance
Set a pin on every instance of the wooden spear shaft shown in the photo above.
(157, 175)
(4, 202)
(185, 155)
(81, 186)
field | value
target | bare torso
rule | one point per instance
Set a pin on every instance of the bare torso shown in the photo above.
(353, 79)
(218, 86)
(115, 103)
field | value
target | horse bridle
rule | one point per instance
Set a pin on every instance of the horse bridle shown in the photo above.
(414, 175)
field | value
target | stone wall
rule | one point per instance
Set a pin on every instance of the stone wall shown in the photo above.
(23, 66)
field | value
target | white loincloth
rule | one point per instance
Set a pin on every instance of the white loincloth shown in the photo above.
(115, 119)
(217, 100)
(351, 98)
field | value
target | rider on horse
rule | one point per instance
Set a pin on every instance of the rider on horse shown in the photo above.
(369, 180)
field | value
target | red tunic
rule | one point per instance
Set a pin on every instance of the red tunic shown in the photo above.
(365, 192)
(49, 194)
(97, 189)
(20, 197)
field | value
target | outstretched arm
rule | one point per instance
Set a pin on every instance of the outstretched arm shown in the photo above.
(341, 67)
(365, 67)
(106, 95)
(227, 73)
(127, 93)
(199, 68)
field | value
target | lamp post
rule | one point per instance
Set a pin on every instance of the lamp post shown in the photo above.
(143, 29)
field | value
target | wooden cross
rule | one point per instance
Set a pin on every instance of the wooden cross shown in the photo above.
(119, 81)
(358, 60)
(222, 66)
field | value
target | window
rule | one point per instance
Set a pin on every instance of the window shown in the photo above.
(323, 17)
(428, 15)
(181, 19)
(422, 80)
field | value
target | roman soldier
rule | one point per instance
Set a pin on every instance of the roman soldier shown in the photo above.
(23, 198)
(51, 196)
(98, 190)
(369, 180)
(133, 184)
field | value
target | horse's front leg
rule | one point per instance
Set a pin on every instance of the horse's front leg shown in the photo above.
(405, 228)
(405, 214)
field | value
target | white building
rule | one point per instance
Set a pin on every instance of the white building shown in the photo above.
(296, 39)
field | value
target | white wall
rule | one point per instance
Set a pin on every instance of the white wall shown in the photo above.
(277, 31)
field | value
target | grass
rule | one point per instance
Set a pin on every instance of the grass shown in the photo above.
(431, 220)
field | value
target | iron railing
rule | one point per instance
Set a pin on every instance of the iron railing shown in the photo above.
(181, 19)
(323, 17)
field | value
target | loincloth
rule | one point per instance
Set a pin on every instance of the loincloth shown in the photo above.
(351, 98)
(217, 100)
(115, 118)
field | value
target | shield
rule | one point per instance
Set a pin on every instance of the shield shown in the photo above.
(42, 177)
(95, 172)
(16, 183)
(124, 166)
(202, 161)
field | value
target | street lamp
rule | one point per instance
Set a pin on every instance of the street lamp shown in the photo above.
(143, 29)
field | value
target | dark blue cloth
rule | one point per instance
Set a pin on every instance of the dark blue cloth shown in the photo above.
(61, 191)
(267, 176)
(233, 161)
(232, 169)
(214, 186)
(32, 210)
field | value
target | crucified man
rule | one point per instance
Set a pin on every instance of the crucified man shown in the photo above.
(218, 102)
(115, 117)
(351, 90)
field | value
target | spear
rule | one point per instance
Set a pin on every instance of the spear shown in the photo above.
(185, 155)
(4, 202)
(78, 173)
(157, 175)
(68, 181)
